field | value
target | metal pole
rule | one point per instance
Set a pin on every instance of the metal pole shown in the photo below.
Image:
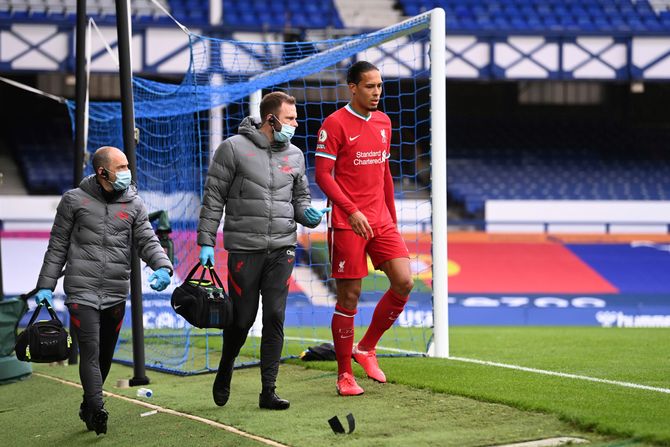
(79, 128)
(80, 91)
(438, 151)
(128, 116)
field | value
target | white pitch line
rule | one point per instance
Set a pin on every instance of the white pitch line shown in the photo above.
(560, 374)
(174, 413)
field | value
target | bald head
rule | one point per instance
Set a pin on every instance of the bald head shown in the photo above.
(107, 161)
(103, 156)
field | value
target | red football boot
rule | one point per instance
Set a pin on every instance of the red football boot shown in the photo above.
(347, 386)
(368, 360)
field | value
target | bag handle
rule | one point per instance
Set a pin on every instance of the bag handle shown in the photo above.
(25, 296)
(212, 274)
(53, 314)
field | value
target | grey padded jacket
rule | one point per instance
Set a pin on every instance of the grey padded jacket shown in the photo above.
(263, 188)
(94, 238)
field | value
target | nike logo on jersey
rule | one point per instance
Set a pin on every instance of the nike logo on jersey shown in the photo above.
(353, 138)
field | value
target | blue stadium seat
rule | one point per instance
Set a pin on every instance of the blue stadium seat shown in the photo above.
(604, 16)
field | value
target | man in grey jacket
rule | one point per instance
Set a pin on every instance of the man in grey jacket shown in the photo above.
(259, 177)
(92, 234)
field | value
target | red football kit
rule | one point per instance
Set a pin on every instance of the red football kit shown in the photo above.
(352, 169)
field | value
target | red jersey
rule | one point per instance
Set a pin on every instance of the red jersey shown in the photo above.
(360, 147)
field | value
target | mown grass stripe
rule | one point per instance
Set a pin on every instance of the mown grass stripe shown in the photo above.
(560, 374)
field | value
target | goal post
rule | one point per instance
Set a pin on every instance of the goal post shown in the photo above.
(438, 143)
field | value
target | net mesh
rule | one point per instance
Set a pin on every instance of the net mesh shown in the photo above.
(179, 124)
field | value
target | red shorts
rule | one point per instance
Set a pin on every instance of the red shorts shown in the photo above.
(347, 251)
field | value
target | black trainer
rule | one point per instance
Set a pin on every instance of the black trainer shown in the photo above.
(85, 416)
(99, 421)
(268, 399)
(221, 386)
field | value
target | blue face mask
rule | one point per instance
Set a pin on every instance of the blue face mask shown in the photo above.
(285, 134)
(122, 181)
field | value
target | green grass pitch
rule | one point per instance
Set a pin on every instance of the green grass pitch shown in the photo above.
(428, 402)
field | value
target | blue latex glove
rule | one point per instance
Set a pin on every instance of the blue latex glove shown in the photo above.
(314, 216)
(207, 256)
(162, 277)
(44, 295)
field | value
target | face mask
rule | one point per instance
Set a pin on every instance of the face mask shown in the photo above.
(285, 134)
(122, 181)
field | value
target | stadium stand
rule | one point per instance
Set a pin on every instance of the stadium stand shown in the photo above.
(463, 16)
(533, 16)
(254, 14)
(55, 11)
(560, 161)
(278, 15)
(44, 158)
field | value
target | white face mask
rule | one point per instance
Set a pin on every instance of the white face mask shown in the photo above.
(122, 181)
(285, 134)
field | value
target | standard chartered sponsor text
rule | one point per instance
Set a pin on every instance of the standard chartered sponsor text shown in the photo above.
(369, 158)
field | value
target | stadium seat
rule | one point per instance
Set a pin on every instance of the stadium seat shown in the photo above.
(599, 16)
(511, 161)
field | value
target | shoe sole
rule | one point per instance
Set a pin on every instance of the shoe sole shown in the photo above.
(275, 408)
(349, 395)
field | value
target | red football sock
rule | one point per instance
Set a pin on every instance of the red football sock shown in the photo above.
(343, 337)
(388, 308)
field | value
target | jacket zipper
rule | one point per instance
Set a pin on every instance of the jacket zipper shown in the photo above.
(272, 185)
(104, 256)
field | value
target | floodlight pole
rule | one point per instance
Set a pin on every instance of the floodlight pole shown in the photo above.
(128, 120)
(79, 127)
(438, 145)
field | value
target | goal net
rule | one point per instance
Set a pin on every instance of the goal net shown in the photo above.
(180, 125)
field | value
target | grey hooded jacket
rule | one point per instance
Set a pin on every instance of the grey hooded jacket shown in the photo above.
(263, 188)
(94, 238)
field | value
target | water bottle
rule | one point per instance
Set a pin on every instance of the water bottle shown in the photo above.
(144, 392)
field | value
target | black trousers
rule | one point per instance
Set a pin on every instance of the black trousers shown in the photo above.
(97, 332)
(249, 274)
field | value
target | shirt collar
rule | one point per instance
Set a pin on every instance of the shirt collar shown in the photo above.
(356, 114)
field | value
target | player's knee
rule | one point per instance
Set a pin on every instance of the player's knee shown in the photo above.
(404, 286)
(349, 299)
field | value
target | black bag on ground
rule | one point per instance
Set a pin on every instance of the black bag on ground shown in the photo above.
(203, 303)
(45, 341)
(324, 351)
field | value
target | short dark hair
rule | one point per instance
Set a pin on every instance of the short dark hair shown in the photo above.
(356, 70)
(271, 103)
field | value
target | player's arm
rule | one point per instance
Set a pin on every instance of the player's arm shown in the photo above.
(326, 154)
(357, 220)
(388, 193)
(325, 180)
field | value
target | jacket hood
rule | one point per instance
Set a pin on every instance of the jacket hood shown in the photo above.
(91, 186)
(250, 128)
